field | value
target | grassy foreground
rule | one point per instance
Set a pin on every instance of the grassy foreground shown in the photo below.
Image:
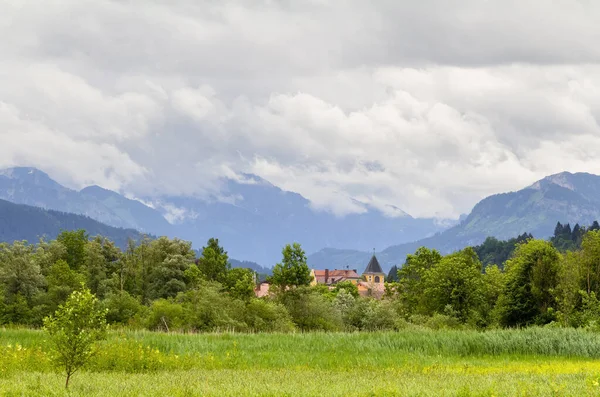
(414, 362)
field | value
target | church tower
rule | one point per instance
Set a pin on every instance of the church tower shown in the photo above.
(373, 273)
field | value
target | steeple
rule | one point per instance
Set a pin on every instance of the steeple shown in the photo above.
(373, 267)
(374, 273)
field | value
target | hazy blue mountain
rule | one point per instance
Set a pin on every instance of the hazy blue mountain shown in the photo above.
(253, 219)
(251, 265)
(33, 187)
(24, 222)
(131, 212)
(564, 197)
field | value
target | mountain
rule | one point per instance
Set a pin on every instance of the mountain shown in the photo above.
(33, 187)
(252, 218)
(131, 212)
(251, 265)
(565, 197)
(24, 222)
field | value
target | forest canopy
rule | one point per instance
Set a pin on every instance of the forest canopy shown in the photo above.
(163, 284)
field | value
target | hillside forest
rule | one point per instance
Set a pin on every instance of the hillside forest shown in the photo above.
(162, 284)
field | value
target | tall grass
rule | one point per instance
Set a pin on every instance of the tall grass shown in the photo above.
(533, 361)
(325, 350)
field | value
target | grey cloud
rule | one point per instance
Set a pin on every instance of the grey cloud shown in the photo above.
(427, 106)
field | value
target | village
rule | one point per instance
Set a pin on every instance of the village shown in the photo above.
(370, 283)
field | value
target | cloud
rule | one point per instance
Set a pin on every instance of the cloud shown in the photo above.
(424, 106)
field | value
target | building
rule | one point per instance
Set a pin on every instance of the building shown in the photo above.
(373, 283)
(332, 277)
(373, 273)
(262, 290)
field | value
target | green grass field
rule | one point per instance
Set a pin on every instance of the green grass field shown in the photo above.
(527, 362)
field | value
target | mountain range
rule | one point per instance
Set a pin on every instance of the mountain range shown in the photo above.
(536, 209)
(253, 219)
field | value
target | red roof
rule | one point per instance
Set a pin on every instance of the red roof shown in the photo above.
(335, 276)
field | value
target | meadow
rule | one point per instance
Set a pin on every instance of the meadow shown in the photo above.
(528, 362)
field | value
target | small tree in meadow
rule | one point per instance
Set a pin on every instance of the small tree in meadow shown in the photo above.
(74, 330)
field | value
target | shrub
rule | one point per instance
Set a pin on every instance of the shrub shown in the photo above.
(121, 307)
(266, 316)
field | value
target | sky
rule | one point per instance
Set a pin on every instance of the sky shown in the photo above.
(428, 106)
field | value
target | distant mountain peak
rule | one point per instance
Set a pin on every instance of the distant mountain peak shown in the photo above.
(21, 172)
(562, 179)
(576, 182)
(30, 175)
(98, 191)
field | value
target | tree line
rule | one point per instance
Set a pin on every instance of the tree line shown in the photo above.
(162, 284)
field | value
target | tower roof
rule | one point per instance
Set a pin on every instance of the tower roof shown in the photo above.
(373, 266)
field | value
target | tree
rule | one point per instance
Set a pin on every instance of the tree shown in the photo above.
(493, 283)
(74, 330)
(455, 281)
(293, 270)
(496, 252)
(74, 241)
(347, 286)
(19, 273)
(531, 278)
(568, 292)
(95, 267)
(392, 275)
(214, 262)
(240, 283)
(590, 258)
(168, 277)
(411, 274)
(62, 281)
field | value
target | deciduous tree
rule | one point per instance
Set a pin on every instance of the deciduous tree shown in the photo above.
(74, 330)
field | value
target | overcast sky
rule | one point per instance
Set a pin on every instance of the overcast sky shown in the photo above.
(427, 105)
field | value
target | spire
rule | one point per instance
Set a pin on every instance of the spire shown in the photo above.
(373, 266)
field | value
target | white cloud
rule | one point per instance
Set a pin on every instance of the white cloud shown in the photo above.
(425, 106)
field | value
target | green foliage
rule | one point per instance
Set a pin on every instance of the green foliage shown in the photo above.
(410, 278)
(496, 252)
(21, 283)
(367, 314)
(590, 261)
(293, 270)
(392, 274)
(121, 307)
(565, 239)
(62, 281)
(74, 330)
(240, 283)
(531, 278)
(311, 311)
(214, 262)
(455, 282)
(267, 316)
(156, 284)
(347, 286)
(74, 242)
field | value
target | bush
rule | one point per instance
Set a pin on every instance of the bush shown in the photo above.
(266, 316)
(311, 311)
(121, 307)
(166, 315)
